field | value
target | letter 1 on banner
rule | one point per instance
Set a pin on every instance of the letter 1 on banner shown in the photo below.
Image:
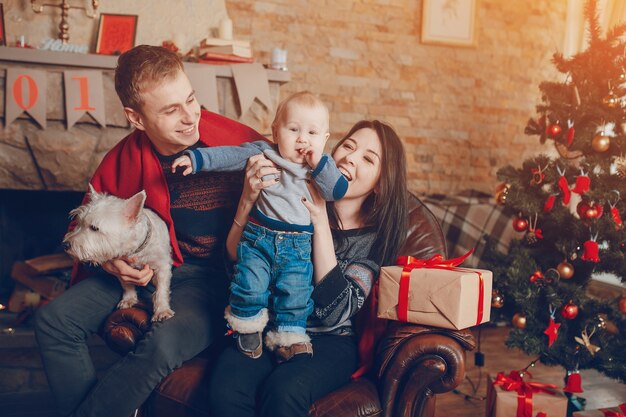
(84, 93)
(25, 92)
(205, 84)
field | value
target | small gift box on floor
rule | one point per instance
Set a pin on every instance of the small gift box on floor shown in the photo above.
(511, 396)
(617, 411)
(435, 292)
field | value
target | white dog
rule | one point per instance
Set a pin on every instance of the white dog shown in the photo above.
(108, 227)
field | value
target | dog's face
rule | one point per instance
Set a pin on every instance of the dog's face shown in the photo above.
(104, 228)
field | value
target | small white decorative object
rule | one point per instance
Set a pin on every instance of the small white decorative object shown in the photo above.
(279, 59)
(57, 45)
(226, 29)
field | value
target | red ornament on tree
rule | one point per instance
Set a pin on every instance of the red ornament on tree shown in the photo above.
(573, 383)
(582, 183)
(591, 251)
(569, 311)
(554, 130)
(553, 329)
(520, 224)
(563, 186)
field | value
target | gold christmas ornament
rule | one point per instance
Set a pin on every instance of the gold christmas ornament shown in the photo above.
(502, 190)
(497, 299)
(566, 270)
(519, 321)
(611, 101)
(620, 166)
(601, 143)
(606, 324)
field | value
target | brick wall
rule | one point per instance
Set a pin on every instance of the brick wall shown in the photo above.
(460, 111)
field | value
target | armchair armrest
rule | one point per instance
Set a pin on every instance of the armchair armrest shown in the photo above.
(415, 362)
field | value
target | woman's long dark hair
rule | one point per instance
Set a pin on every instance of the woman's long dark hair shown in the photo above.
(385, 209)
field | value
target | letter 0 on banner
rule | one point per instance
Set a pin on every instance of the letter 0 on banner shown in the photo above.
(84, 93)
(204, 82)
(25, 91)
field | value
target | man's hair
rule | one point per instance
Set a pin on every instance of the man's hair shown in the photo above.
(140, 67)
(304, 98)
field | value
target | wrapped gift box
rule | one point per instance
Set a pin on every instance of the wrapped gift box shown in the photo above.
(455, 298)
(503, 403)
(617, 411)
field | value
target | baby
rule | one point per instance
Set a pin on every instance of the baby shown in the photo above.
(275, 248)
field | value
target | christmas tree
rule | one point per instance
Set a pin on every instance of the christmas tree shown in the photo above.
(570, 207)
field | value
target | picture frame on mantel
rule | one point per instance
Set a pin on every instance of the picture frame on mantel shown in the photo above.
(3, 35)
(116, 33)
(449, 22)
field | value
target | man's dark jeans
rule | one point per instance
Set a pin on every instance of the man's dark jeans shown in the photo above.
(198, 296)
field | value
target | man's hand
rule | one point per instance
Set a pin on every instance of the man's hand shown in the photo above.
(126, 274)
(258, 166)
(183, 161)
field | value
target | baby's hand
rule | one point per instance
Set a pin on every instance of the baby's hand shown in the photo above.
(183, 161)
(311, 156)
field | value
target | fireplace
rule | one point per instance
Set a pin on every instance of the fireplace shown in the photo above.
(32, 223)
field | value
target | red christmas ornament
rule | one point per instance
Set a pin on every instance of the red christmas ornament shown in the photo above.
(574, 383)
(617, 219)
(590, 251)
(520, 224)
(570, 133)
(569, 311)
(554, 130)
(582, 183)
(536, 276)
(547, 207)
(563, 186)
(552, 331)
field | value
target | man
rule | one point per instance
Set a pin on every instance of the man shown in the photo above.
(159, 102)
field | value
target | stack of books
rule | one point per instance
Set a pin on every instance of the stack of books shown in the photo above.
(218, 51)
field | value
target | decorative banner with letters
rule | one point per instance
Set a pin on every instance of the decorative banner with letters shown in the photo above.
(251, 82)
(25, 91)
(83, 94)
(204, 82)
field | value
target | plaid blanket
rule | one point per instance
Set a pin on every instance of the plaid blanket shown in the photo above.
(466, 218)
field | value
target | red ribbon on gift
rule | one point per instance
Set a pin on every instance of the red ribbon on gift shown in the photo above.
(525, 390)
(611, 413)
(436, 262)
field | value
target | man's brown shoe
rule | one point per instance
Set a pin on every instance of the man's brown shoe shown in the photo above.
(285, 353)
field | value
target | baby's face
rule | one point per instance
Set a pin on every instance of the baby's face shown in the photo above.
(300, 128)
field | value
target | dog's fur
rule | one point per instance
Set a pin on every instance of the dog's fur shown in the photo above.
(108, 227)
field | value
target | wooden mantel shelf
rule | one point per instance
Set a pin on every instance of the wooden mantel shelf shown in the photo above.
(69, 59)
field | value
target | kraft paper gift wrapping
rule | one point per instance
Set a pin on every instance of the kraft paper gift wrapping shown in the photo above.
(447, 298)
(617, 411)
(502, 403)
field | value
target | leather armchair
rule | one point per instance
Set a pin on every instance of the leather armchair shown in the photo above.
(413, 363)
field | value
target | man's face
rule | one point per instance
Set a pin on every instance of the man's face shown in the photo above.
(169, 115)
(301, 127)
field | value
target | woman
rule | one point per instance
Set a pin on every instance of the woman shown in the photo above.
(353, 237)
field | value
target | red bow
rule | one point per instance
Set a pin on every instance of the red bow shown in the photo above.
(525, 390)
(436, 262)
(611, 413)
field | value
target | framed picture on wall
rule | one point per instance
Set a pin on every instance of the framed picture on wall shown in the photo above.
(449, 22)
(116, 33)
(3, 35)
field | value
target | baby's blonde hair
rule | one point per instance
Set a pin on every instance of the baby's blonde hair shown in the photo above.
(305, 98)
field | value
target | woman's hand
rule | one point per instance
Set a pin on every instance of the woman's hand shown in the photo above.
(257, 167)
(126, 274)
(317, 207)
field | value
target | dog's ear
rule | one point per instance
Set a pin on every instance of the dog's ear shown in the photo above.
(93, 194)
(133, 206)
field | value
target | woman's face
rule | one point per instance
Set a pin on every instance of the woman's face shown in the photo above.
(359, 159)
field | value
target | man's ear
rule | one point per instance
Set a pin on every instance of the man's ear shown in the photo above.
(134, 117)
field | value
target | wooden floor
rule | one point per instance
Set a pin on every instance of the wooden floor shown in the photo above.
(600, 391)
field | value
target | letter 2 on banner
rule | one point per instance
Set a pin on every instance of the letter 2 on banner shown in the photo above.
(84, 93)
(26, 91)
